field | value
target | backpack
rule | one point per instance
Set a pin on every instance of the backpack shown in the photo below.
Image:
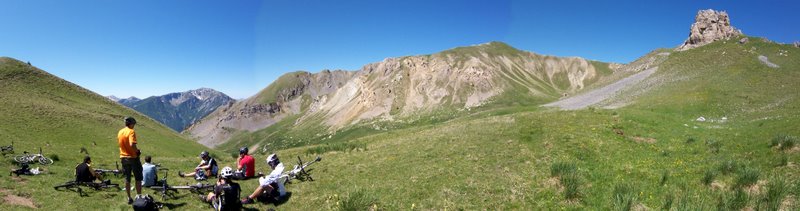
(200, 175)
(228, 198)
(144, 203)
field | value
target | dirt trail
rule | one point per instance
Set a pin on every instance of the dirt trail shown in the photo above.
(598, 95)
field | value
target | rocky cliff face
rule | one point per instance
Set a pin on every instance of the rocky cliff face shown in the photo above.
(181, 109)
(459, 78)
(288, 95)
(709, 26)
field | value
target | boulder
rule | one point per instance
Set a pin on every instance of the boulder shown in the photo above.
(743, 40)
(709, 26)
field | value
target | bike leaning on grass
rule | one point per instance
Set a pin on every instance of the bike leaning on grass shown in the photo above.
(28, 158)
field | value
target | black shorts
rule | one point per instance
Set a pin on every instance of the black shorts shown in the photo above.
(132, 165)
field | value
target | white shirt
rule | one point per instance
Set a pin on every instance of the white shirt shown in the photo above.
(273, 178)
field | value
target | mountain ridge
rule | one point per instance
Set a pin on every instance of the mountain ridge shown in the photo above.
(459, 78)
(178, 110)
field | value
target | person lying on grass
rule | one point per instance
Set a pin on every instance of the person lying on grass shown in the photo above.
(270, 188)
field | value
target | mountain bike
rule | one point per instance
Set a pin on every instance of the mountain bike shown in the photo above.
(116, 171)
(168, 191)
(7, 149)
(76, 186)
(27, 158)
(299, 171)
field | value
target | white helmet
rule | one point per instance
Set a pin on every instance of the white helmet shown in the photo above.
(226, 172)
(273, 159)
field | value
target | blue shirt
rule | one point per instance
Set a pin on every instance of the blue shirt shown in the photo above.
(149, 172)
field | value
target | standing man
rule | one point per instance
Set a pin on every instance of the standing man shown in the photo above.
(129, 154)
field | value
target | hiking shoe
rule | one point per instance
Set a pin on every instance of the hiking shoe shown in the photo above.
(130, 200)
(247, 200)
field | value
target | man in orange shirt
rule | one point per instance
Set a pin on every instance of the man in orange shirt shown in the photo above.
(129, 154)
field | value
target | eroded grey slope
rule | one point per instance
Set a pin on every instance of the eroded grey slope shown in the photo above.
(598, 95)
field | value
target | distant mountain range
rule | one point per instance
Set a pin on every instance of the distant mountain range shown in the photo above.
(178, 110)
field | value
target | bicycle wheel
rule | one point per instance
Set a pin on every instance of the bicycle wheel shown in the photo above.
(45, 161)
(21, 158)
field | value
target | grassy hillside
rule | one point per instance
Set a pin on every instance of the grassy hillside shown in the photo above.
(41, 110)
(652, 154)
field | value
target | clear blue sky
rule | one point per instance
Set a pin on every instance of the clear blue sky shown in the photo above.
(153, 47)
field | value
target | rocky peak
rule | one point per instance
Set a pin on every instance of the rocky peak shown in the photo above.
(709, 26)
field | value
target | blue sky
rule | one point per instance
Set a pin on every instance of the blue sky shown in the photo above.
(152, 47)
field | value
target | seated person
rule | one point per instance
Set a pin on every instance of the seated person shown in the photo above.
(246, 167)
(85, 173)
(149, 172)
(226, 193)
(270, 188)
(207, 167)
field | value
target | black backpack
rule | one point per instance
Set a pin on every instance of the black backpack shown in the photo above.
(228, 198)
(144, 203)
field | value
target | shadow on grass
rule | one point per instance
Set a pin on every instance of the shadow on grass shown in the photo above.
(172, 206)
(278, 202)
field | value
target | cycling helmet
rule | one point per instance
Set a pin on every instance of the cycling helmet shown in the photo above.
(226, 172)
(243, 150)
(204, 154)
(273, 160)
(130, 120)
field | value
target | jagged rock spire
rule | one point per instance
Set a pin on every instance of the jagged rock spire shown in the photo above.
(709, 26)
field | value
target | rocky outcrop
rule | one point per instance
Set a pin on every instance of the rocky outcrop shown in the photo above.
(709, 26)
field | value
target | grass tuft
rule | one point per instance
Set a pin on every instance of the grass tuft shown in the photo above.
(668, 200)
(624, 197)
(54, 157)
(783, 142)
(664, 178)
(708, 177)
(777, 190)
(690, 140)
(728, 166)
(358, 200)
(714, 145)
(747, 177)
(572, 184)
(737, 201)
(561, 168)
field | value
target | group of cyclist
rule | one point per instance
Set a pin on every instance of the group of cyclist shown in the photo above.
(269, 188)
